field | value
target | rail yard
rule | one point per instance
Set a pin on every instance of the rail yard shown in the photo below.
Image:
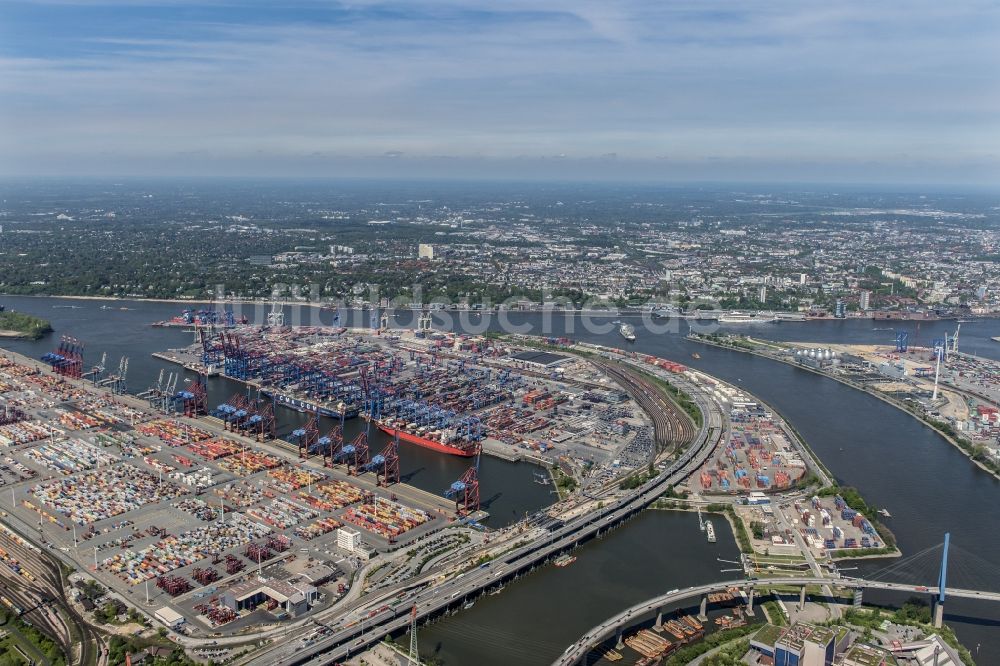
(205, 515)
(208, 521)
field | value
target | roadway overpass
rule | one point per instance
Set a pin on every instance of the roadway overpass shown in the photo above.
(432, 600)
(576, 653)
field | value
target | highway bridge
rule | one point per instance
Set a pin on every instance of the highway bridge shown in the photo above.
(577, 653)
(433, 600)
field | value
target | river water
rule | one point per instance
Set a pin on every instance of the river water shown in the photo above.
(929, 487)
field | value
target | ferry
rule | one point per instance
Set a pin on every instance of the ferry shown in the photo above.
(710, 531)
(564, 560)
(746, 318)
(307, 407)
(628, 332)
(433, 440)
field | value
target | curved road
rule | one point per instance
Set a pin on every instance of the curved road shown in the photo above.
(578, 651)
(348, 640)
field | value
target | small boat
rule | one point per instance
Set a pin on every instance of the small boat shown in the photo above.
(468, 604)
(696, 355)
(565, 560)
(710, 531)
(627, 331)
(885, 513)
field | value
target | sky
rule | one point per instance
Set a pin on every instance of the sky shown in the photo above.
(664, 90)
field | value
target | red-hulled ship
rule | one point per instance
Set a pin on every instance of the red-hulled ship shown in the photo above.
(456, 447)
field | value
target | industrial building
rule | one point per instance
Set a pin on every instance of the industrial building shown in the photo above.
(291, 598)
(169, 617)
(800, 645)
(540, 359)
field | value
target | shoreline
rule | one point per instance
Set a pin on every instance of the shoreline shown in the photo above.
(616, 312)
(948, 438)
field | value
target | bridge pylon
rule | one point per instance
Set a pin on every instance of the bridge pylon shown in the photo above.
(942, 583)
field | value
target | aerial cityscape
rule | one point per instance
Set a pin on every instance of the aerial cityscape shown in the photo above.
(447, 334)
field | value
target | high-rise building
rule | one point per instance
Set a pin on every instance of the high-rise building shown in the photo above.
(348, 539)
(762, 295)
(866, 300)
(840, 311)
(425, 251)
(805, 645)
(802, 278)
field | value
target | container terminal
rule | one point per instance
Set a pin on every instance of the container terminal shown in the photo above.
(206, 519)
(201, 514)
(456, 394)
(950, 390)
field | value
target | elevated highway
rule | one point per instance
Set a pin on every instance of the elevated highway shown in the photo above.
(432, 600)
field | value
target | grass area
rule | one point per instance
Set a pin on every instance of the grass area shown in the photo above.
(977, 452)
(13, 650)
(688, 653)
(30, 639)
(119, 646)
(27, 325)
(774, 613)
(915, 613)
(852, 553)
(725, 340)
(565, 483)
(730, 655)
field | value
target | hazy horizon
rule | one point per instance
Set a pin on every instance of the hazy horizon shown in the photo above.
(455, 89)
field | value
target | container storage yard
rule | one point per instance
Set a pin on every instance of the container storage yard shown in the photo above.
(824, 524)
(175, 508)
(455, 394)
(181, 501)
(758, 453)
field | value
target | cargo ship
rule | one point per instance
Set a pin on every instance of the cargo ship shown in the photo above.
(430, 439)
(307, 407)
(628, 332)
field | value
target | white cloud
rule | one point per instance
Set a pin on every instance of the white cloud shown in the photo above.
(767, 81)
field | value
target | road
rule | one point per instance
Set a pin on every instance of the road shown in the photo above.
(431, 600)
(50, 586)
(578, 651)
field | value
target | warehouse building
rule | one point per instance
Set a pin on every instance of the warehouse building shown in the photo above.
(276, 595)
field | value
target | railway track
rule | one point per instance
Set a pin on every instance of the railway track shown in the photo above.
(50, 584)
(671, 426)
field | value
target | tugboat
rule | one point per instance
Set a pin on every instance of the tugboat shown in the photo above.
(628, 332)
